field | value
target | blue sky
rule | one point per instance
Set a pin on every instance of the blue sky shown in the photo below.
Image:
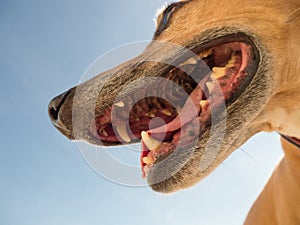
(45, 48)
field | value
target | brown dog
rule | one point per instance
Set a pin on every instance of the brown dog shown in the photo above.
(252, 48)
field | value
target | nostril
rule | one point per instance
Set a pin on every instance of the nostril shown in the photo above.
(55, 106)
(53, 113)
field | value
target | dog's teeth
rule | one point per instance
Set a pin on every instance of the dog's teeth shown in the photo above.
(203, 104)
(234, 58)
(232, 61)
(166, 112)
(218, 72)
(150, 114)
(210, 86)
(150, 142)
(148, 160)
(120, 104)
(191, 61)
(122, 132)
(104, 133)
(205, 54)
(229, 65)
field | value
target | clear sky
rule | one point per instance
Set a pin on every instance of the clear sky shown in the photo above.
(45, 48)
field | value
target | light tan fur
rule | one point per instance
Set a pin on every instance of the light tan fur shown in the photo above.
(271, 103)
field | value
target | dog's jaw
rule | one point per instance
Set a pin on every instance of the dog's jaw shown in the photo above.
(186, 167)
(252, 112)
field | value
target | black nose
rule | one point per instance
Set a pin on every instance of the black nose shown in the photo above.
(55, 105)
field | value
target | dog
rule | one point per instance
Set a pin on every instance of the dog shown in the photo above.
(237, 75)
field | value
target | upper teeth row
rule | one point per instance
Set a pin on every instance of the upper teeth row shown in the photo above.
(151, 143)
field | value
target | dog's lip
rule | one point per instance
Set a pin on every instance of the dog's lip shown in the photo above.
(227, 38)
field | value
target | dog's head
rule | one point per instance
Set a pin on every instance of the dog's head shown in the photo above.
(228, 69)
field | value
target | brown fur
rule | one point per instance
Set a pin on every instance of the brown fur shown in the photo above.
(270, 103)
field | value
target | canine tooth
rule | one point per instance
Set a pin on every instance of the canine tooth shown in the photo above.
(218, 72)
(120, 104)
(122, 132)
(148, 160)
(150, 142)
(166, 112)
(203, 103)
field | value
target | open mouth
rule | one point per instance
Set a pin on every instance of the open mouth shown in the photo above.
(218, 73)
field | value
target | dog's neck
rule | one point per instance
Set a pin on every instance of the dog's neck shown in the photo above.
(279, 201)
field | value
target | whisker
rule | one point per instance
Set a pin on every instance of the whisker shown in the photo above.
(247, 154)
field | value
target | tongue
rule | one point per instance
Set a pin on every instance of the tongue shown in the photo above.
(190, 110)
